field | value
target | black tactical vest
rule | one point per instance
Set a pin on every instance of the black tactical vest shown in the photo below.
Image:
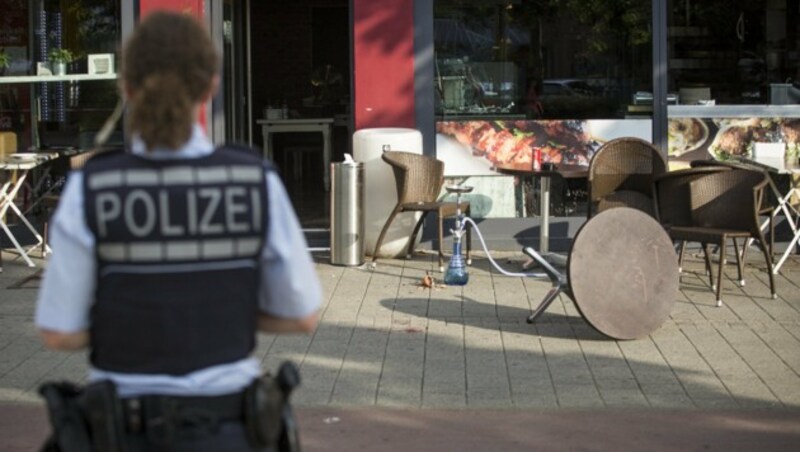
(178, 245)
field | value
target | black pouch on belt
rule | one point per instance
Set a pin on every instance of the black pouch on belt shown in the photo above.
(266, 406)
(103, 411)
(70, 430)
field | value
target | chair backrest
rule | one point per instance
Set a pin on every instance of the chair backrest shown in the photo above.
(715, 162)
(419, 178)
(624, 164)
(672, 198)
(728, 200)
(769, 202)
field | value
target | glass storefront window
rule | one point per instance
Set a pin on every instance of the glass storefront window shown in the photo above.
(65, 111)
(557, 59)
(545, 81)
(737, 52)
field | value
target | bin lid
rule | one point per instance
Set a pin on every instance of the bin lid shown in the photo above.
(387, 131)
(349, 161)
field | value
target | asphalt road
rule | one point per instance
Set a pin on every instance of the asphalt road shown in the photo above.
(23, 427)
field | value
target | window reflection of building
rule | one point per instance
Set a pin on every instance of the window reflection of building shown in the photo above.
(550, 60)
(593, 59)
(739, 51)
(602, 48)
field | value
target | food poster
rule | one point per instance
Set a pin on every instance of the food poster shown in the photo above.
(724, 138)
(476, 148)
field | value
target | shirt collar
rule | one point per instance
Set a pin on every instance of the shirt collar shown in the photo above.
(198, 145)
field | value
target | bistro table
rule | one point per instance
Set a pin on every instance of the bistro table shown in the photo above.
(772, 167)
(320, 125)
(623, 273)
(545, 175)
(16, 168)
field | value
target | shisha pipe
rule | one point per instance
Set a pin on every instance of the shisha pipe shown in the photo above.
(460, 229)
(456, 273)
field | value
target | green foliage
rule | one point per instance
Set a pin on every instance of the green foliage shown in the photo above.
(61, 56)
(5, 60)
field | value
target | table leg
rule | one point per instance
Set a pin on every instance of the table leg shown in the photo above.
(326, 156)
(267, 137)
(792, 215)
(558, 279)
(786, 253)
(784, 202)
(40, 177)
(7, 202)
(270, 146)
(544, 210)
(16, 244)
(544, 227)
(39, 238)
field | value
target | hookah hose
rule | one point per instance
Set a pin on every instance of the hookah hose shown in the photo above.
(496, 265)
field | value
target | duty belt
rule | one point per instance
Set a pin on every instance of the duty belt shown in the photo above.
(159, 416)
(95, 418)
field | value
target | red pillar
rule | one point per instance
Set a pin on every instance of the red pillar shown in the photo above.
(383, 63)
(193, 7)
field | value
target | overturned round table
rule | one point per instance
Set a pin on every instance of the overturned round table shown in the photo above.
(623, 273)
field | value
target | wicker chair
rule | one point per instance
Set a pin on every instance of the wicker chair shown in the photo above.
(724, 205)
(419, 181)
(672, 204)
(767, 208)
(621, 173)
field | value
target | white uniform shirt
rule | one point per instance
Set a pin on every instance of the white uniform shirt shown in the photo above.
(289, 286)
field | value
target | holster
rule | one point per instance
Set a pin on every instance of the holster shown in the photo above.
(83, 419)
(102, 410)
(269, 420)
(70, 431)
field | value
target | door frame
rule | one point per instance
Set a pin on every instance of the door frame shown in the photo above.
(243, 72)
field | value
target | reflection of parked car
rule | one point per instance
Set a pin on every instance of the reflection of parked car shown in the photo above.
(573, 99)
(566, 87)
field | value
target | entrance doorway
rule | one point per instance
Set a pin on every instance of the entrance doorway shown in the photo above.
(289, 60)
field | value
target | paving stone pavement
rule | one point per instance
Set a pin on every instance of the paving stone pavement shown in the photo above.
(396, 366)
(387, 342)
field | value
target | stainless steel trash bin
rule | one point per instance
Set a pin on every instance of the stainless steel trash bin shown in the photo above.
(347, 213)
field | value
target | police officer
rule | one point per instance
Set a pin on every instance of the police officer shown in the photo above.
(170, 256)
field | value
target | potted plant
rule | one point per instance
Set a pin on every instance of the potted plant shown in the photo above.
(59, 58)
(5, 61)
